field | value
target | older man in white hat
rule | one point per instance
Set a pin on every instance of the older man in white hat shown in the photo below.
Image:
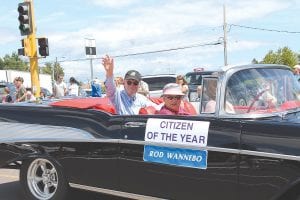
(172, 96)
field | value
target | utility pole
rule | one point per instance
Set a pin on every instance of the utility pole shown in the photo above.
(92, 70)
(225, 35)
(53, 68)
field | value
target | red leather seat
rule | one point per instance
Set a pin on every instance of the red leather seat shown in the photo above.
(149, 110)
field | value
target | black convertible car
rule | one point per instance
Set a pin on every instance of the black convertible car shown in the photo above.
(236, 152)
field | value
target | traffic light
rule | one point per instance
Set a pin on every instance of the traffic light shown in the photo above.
(43, 46)
(24, 10)
(25, 50)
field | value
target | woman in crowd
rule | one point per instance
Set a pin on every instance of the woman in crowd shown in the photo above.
(73, 87)
(184, 86)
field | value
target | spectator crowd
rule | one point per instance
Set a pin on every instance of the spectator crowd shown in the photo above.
(128, 94)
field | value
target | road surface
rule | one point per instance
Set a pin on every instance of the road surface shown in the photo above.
(10, 189)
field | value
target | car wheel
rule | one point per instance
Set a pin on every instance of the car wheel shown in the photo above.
(43, 179)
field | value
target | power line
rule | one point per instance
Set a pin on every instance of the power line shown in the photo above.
(150, 52)
(166, 50)
(265, 29)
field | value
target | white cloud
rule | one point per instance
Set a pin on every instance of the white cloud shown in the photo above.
(238, 11)
(56, 16)
(113, 3)
(245, 45)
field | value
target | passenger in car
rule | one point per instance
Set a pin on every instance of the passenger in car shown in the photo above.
(126, 101)
(210, 91)
(173, 104)
(210, 98)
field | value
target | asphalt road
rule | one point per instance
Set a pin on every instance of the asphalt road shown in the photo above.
(10, 189)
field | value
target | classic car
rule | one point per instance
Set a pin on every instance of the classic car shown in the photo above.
(236, 152)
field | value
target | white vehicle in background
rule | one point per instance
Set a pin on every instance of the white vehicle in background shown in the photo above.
(10, 75)
(157, 82)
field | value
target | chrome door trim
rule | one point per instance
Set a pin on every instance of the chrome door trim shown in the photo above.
(113, 192)
(142, 143)
(219, 149)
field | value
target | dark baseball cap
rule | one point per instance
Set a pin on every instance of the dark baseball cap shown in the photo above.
(133, 74)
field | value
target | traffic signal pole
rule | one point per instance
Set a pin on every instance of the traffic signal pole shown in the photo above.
(32, 50)
(34, 67)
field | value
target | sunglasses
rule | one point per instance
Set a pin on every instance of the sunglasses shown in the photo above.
(174, 97)
(129, 82)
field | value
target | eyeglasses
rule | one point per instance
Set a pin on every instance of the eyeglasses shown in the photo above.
(174, 97)
(129, 82)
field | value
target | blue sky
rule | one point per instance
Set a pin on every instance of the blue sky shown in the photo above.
(123, 27)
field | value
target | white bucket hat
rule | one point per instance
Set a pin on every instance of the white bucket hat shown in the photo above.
(172, 89)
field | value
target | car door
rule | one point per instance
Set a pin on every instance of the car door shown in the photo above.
(269, 163)
(217, 181)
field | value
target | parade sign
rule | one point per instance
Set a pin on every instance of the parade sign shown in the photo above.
(176, 156)
(170, 131)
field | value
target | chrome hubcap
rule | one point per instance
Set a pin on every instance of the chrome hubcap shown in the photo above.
(42, 179)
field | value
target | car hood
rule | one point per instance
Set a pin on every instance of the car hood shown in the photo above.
(287, 118)
(292, 117)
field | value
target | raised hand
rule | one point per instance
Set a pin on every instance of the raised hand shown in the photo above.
(108, 64)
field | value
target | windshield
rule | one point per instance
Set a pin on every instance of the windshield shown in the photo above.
(262, 91)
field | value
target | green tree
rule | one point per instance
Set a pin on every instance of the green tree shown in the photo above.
(283, 56)
(1, 64)
(254, 61)
(13, 62)
(47, 69)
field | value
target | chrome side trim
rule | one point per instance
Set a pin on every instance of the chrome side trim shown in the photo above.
(139, 142)
(86, 138)
(113, 192)
(270, 155)
(219, 149)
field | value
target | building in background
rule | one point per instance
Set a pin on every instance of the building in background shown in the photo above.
(10, 75)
